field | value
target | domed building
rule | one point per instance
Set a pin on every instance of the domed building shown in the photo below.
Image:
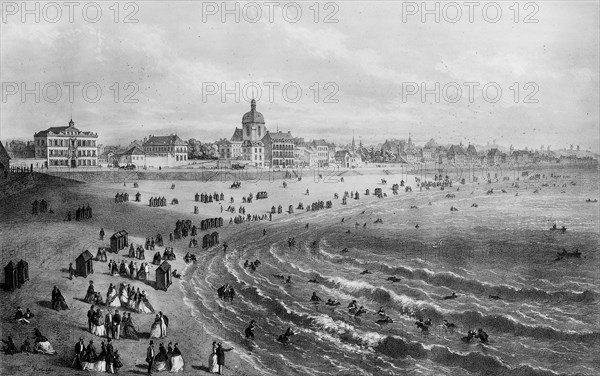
(253, 124)
(246, 144)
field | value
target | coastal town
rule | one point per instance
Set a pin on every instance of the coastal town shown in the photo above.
(254, 145)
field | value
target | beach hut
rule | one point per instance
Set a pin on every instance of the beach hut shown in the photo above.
(214, 238)
(163, 276)
(22, 271)
(119, 240)
(291, 209)
(11, 281)
(84, 264)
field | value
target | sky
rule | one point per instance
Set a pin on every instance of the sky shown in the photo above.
(525, 75)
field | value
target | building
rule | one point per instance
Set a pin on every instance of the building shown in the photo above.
(232, 148)
(279, 149)
(133, 156)
(305, 156)
(253, 152)
(4, 162)
(471, 154)
(428, 155)
(246, 142)
(21, 149)
(494, 156)
(66, 147)
(322, 150)
(347, 159)
(442, 154)
(253, 124)
(456, 154)
(171, 146)
(107, 158)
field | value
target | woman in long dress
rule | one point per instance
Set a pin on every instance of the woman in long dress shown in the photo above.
(129, 330)
(132, 304)
(155, 329)
(123, 296)
(100, 365)
(98, 328)
(144, 305)
(91, 293)
(89, 359)
(113, 298)
(177, 360)
(61, 303)
(213, 367)
(161, 360)
(42, 345)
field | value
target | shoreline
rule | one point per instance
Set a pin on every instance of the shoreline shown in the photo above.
(49, 244)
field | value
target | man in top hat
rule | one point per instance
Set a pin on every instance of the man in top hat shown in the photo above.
(150, 357)
(79, 352)
(221, 356)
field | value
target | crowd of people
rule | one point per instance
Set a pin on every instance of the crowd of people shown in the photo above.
(87, 357)
(137, 252)
(130, 270)
(166, 359)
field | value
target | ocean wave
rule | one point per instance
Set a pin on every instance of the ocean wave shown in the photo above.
(455, 282)
(476, 362)
(421, 309)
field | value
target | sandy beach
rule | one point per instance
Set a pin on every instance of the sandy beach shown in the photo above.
(49, 244)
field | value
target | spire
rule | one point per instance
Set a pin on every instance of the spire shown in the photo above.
(71, 122)
(353, 144)
(252, 105)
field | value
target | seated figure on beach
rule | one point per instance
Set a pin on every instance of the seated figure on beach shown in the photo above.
(42, 345)
(10, 348)
(20, 316)
(90, 295)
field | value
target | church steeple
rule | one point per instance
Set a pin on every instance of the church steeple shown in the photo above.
(71, 123)
(353, 144)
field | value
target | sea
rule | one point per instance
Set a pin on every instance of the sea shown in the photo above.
(545, 322)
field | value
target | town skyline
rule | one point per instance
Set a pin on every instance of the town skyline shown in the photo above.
(175, 60)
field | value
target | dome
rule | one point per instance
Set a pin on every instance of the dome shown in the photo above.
(253, 116)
